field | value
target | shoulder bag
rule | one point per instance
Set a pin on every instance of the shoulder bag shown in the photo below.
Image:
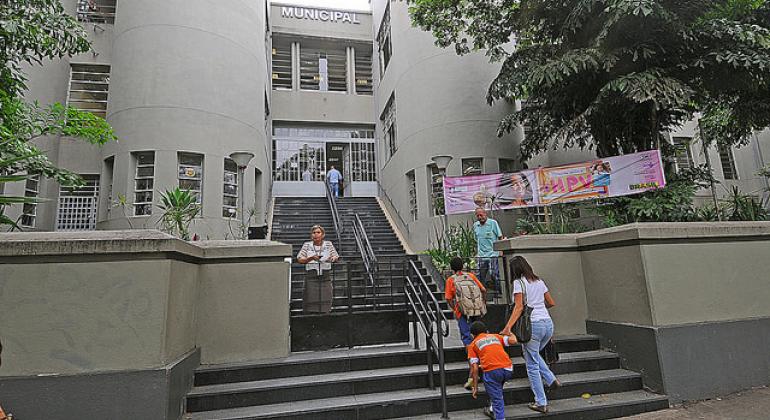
(522, 329)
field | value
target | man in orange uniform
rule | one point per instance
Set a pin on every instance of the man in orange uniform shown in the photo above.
(487, 351)
(450, 294)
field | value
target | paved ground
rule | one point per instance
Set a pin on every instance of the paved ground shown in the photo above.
(753, 404)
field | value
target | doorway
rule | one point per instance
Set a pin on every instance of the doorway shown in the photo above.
(335, 156)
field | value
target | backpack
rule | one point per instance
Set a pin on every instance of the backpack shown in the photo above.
(468, 296)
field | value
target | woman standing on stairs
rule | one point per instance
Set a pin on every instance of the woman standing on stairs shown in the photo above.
(530, 290)
(317, 255)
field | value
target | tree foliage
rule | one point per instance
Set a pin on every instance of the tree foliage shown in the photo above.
(613, 75)
(32, 31)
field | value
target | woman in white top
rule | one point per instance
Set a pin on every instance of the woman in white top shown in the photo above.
(317, 296)
(527, 283)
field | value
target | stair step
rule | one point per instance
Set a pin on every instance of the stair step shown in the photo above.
(423, 401)
(603, 406)
(274, 391)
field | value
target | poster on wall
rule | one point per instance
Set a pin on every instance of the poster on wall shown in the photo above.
(607, 177)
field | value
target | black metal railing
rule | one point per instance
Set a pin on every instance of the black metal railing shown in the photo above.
(428, 315)
(335, 214)
(365, 248)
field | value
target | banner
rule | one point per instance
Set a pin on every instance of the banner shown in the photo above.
(608, 177)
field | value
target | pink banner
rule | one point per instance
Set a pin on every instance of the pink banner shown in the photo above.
(608, 177)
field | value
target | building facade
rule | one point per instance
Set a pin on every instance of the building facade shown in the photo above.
(187, 83)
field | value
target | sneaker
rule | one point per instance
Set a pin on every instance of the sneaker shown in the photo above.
(556, 384)
(488, 412)
(539, 408)
(468, 384)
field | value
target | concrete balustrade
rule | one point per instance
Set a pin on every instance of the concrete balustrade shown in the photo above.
(129, 314)
(686, 304)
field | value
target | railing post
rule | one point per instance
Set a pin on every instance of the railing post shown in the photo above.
(441, 371)
(428, 352)
(350, 307)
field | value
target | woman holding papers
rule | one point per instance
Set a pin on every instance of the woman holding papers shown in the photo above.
(317, 255)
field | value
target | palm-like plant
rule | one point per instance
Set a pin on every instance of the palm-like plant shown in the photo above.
(179, 209)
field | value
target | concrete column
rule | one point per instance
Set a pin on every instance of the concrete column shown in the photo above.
(295, 63)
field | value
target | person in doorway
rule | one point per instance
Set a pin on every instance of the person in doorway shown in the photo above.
(467, 297)
(307, 175)
(487, 232)
(530, 290)
(487, 352)
(334, 178)
(317, 255)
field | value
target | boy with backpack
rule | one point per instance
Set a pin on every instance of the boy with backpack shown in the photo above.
(467, 298)
(486, 351)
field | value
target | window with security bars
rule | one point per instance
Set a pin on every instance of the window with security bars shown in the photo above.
(281, 65)
(436, 190)
(388, 118)
(507, 165)
(29, 210)
(78, 206)
(291, 158)
(472, 166)
(412, 185)
(230, 190)
(89, 86)
(363, 72)
(191, 174)
(682, 153)
(144, 182)
(727, 159)
(323, 70)
(97, 11)
(362, 162)
(384, 43)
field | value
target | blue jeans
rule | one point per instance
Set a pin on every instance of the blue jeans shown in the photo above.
(489, 273)
(464, 324)
(537, 370)
(335, 188)
(493, 384)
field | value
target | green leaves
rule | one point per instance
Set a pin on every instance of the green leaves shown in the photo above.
(179, 208)
(613, 75)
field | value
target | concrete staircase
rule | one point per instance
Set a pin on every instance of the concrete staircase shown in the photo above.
(391, 382)
(294, 216)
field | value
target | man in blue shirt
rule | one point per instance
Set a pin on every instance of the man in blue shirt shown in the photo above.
(334, 177)
(487, 232)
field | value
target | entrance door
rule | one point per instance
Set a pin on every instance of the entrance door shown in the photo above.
(346, 172)
(335, 153)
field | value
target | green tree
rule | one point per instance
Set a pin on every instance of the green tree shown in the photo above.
(32, 31)
(613, 75)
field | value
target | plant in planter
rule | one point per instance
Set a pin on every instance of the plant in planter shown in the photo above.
(456, 240)
(179, 207)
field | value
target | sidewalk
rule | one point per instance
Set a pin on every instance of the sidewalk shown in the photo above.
(753, 404)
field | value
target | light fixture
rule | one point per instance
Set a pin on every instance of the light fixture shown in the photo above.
(441, 161)
(241, 159)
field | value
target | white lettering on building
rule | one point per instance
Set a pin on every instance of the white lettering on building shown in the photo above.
(322, 15)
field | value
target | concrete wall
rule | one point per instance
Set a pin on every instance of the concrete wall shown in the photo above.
(92, 308)
(681, 302)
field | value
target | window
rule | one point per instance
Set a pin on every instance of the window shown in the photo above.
(363, 71)
(507, 165)
(388, 119)
(682, 153)
(437, 190)
(362, 162)
(78, 206)
(230, 189)
(727, 159)
(29, 210)
(384, 40)
(281, 65)
(96, 11)
(412, 185)
(323, 70)
(108, 176)
(191, 174)
(89, 86)
(292, 158)
(472, 166)
(144, 182)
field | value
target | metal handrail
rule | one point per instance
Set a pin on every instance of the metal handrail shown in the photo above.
(426, 315)
(384, 193)
(335, 214)
(365, 248)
